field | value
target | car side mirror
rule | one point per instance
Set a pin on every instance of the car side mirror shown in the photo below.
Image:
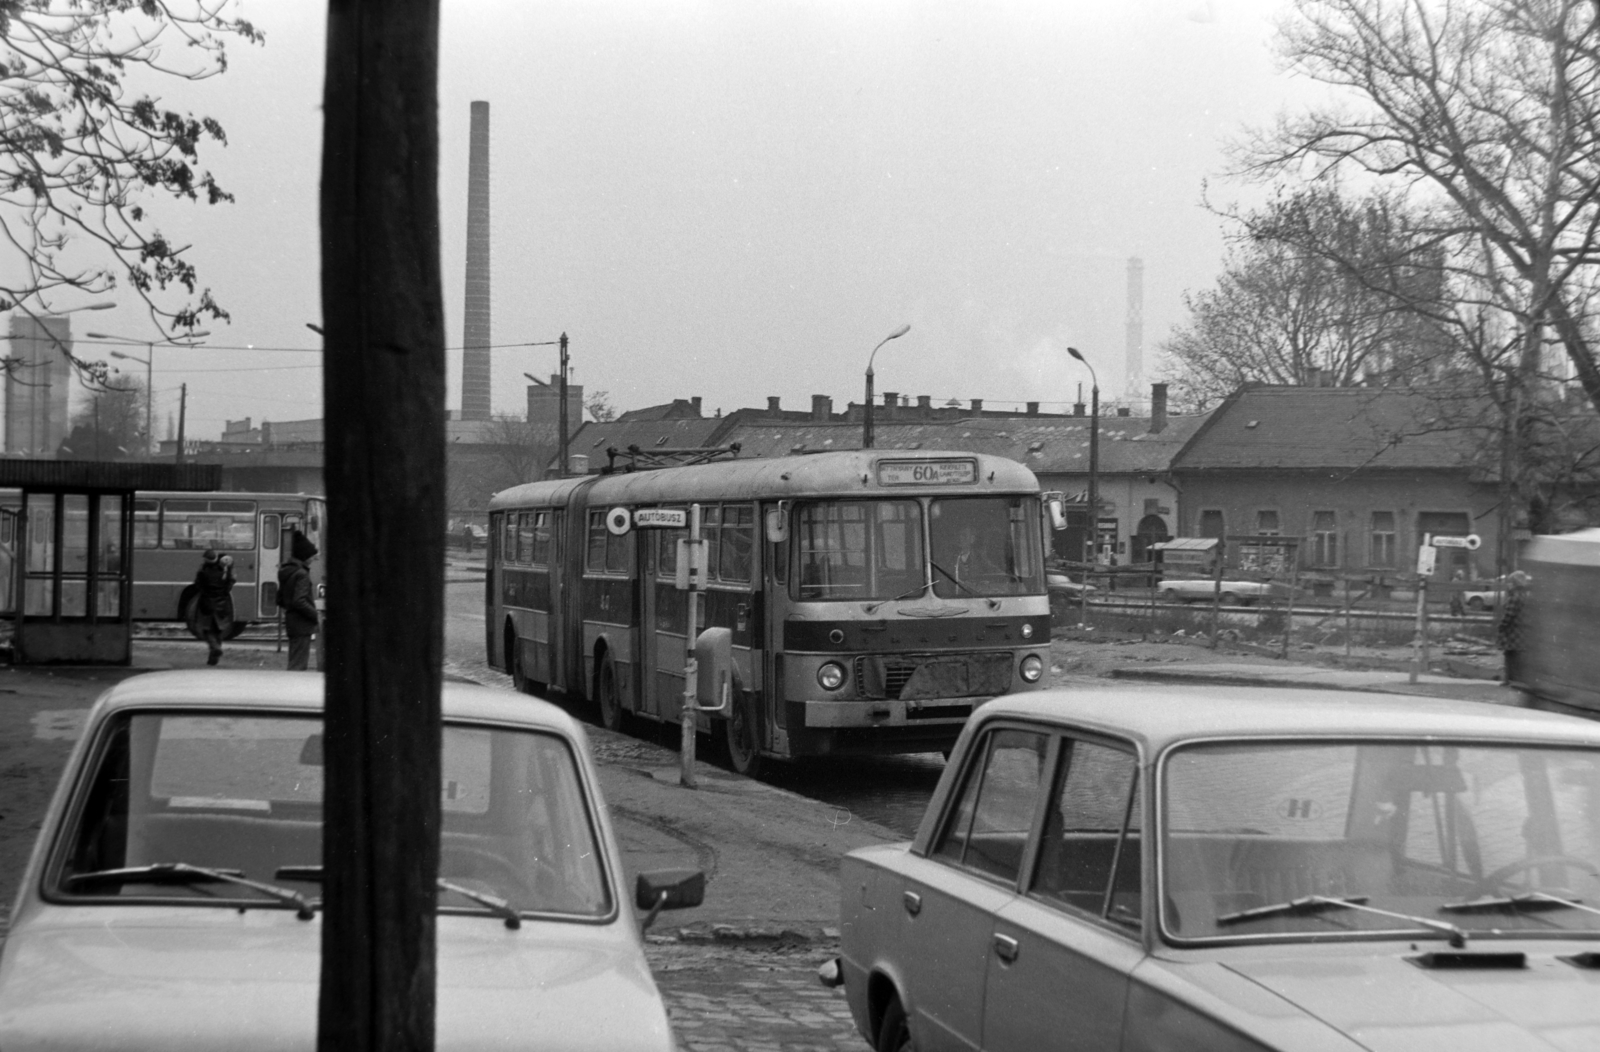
(668, 889)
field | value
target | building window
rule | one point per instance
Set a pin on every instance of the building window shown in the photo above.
(1324, 539)
(1383, 539)
(1267, 523)
(1211, 523)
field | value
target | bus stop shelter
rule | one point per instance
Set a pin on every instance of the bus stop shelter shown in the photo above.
(66, 554)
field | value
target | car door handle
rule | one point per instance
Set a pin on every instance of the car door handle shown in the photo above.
(1006, 948)
(913, 902)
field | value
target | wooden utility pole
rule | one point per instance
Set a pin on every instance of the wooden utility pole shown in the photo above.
(183, 409)
(383, 392)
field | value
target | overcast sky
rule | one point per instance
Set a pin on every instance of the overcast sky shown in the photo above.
(739, 199)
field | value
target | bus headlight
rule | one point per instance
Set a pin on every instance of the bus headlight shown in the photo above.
(1032, 668)
(1027, 630)
(831, 676)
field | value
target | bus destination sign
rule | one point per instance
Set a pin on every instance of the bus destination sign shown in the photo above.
(668, 518)
(927, 472)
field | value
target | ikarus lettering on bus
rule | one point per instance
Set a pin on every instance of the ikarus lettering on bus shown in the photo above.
(927, 472)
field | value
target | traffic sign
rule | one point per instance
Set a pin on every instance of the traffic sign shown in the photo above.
(661, 518)
(1426, 559)
(1470, 542)
(619, 521)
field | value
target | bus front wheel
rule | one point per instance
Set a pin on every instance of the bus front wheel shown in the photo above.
(609, 693)
(739, 738)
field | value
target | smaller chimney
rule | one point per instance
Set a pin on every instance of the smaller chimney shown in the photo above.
(772, 404)
(695, 401)
(924, 401)
(1033, 408)
(977, 406)
(1123, 410)
(821, 407)
(1078, 409)
(1313, 376)
(1158, 408)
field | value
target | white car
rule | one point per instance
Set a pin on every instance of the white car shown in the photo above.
(172, 898)
(1234, 593)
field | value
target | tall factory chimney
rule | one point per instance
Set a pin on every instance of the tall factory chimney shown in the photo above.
(1133, 338)
(475, 335)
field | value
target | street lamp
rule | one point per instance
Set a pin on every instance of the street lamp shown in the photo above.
(1093, 541)
(866, 417)
(149, 368)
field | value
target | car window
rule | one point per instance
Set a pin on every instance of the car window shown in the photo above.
(1092, 834)
(243, 794)
(989, 825)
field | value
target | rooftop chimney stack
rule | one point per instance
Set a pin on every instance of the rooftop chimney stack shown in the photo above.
(772, 404)
(821, 407)
(475, 337)
(924, 401)
(1033, 408)
(1158, 408)
(695, 401)
(977, 407)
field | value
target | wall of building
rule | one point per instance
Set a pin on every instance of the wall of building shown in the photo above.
(1125, 501)
(1296, 499)
(37, 385)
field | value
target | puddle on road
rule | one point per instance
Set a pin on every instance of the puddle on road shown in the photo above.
(58, 724)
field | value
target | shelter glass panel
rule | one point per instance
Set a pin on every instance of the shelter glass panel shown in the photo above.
(147, 524)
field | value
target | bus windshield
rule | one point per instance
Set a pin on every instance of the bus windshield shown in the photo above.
(860, 549)
(985, 546)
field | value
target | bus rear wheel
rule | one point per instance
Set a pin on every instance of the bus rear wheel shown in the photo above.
(519, 679)
(739, 739)
(609, 695)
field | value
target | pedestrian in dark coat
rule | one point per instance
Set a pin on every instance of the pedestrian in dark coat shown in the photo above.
(297, 600)
(1510, 630)
(213, 605)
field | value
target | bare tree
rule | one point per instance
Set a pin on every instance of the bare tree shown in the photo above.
(1303, 297)
(110, 425)
(510, 451)
(599, 405)
(81, 150)
(383, 384)
(1486, 109)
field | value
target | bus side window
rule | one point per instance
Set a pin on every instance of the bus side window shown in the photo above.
(619, 553)
(711, 533)
(738, 537)
(146, 524)
(595, 556)
(541, 538)
(270, 529)
(524, 549)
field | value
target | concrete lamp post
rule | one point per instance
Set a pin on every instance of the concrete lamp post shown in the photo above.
(866, 416)
(1092, 543)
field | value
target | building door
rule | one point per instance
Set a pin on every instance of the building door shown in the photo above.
(647, 693)
(1152, 530)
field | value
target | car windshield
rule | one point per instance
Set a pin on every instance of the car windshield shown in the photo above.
(859, 549)
(986, 546)
(1296, 840)
(181, 805)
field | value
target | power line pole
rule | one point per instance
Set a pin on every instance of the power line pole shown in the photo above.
(183, 407)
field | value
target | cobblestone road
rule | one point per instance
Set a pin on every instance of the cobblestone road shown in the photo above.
(739, 999)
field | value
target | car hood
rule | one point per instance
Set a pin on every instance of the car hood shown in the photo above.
(1389, 1004)
(249, 981)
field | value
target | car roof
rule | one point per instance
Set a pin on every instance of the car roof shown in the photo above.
(1157, 716)
(256, 689)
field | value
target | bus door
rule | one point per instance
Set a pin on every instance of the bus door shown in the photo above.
(774, 597)
(562, 619)
(271, 530)
(647, 697)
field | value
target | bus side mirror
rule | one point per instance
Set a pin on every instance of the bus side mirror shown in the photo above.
(713, 653)
(778, 523)
(1058, 512)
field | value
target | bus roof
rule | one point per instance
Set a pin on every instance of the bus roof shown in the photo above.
(846, 473)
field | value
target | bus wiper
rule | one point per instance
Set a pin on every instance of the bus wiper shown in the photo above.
(1311, 904)
(872, 608)
(1527, 900)
(496, 905)
(953, 579)
(184, 873)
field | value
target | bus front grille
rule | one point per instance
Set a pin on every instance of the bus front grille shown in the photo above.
(914, 676)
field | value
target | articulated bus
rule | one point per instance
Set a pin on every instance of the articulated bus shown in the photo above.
(874, 597)
(171, 531)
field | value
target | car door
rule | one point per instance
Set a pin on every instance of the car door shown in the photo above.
(1061, 954)
(948, 910)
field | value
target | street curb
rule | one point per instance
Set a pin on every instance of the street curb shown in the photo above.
(756, 937)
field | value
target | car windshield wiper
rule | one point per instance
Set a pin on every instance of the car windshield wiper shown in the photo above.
(497, 905)
(1312, 904)
(184, 873)
(953, 579)
(1527, 900)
